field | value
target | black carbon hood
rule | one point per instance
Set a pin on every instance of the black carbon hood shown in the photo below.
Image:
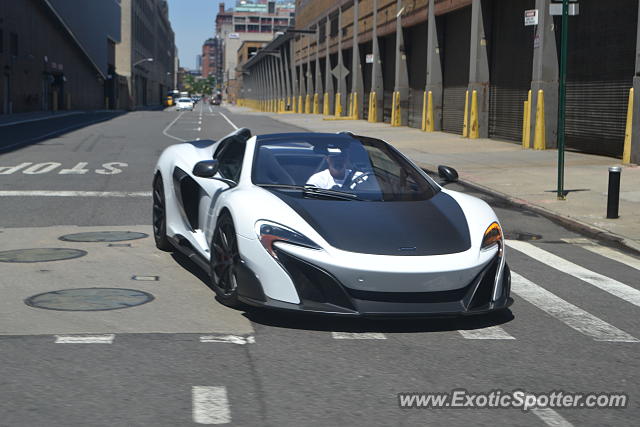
(428, 227)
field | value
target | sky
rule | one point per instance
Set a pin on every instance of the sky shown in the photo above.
(193, 22)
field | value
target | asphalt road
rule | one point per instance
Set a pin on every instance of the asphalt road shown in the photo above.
(184, 359)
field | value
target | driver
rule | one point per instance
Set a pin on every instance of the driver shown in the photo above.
(336, 173)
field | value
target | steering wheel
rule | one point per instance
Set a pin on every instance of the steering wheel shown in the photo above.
(354, 180)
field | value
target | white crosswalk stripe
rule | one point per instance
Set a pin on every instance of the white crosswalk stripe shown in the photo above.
(358, 336)
(85, 339)
(551, 417)
(604, 251)
(598, 280)
(572, 316)
(489, 333)
(210, 405)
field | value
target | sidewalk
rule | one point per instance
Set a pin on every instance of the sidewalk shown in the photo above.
(17, 118)
(527, 178)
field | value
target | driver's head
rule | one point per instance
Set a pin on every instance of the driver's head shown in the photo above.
(337, 164)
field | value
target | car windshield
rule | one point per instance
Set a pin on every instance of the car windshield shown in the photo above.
(326, 164)
(185, 100)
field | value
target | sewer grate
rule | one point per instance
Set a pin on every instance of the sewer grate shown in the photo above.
(40, 254)
(103, 236)
(519, 235)
(89, 299)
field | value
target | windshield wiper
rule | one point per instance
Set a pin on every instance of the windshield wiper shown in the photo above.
(311, 190)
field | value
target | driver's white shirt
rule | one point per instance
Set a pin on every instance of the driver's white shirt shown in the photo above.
(324, 179)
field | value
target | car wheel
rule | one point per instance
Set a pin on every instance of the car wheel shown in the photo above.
(225, 259)
(160, 216)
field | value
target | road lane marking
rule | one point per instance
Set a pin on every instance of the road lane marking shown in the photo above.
(78, 169)
(489, 333)
(605, 251)
(605, 283)
(358, 336)
(210, 405)
(85, 339)
(551, 417)
(569, 314)
(164, 132)
(75, 194)
(230, 122)
(232, 339)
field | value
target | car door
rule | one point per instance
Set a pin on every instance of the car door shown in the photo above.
(229, 155)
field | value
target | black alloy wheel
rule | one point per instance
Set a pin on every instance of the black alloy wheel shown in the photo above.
(225, 259)
(160, 217)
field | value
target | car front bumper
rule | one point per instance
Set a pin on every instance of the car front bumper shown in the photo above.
(321, 292)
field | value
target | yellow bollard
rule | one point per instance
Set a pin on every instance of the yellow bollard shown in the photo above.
(527, 130)
(465, 119)
(524, 124)
(300, 104)
(372, 108)
(626, 153)
(430, 124)
(307, 104)
(393, 109)
(351, 104)
(316, 105)
(354, 106)
(539, 138)
(338, 110)
(423, 127)
(474, 130)
(396, 110)
(325, 104)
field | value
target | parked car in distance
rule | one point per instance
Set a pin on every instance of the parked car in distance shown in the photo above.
(184, 104)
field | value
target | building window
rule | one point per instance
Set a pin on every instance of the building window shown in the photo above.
(334, 26)
(13, 44)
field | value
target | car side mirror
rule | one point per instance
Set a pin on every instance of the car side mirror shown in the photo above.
(206, 168)
(448, 173)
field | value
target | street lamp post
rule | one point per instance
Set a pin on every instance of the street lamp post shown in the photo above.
(133, 86)
(141, 61)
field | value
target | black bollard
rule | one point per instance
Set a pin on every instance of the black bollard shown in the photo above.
(613, 198)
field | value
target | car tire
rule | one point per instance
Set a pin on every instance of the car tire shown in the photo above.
(224, 261)
(159, 214)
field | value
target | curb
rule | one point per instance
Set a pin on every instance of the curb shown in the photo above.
(38, 119)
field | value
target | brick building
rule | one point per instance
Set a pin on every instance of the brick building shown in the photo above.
(403, 49)
(212, 59)
(249, 21)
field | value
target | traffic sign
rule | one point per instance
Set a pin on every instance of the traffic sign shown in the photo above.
(530, 17)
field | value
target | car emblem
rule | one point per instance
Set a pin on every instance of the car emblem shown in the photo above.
(407, 249)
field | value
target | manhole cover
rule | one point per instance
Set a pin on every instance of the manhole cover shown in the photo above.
(89, 299)
(103, 236)
(40, 254)
(517, 235)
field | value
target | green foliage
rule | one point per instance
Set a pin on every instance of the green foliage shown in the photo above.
(199, 85)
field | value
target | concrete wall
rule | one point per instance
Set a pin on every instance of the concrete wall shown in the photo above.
(48, 61)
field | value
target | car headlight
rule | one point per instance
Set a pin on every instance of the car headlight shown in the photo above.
(269, 233)
(492, 236)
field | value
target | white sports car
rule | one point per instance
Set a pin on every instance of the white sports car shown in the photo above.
(330, 223)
